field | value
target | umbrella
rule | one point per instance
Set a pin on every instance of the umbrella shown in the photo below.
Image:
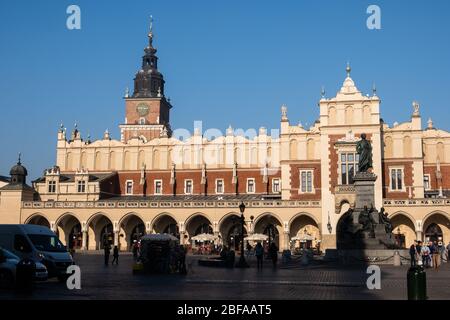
(256, 237)
(204, 237)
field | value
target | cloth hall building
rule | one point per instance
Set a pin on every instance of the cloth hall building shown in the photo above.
(295, 185)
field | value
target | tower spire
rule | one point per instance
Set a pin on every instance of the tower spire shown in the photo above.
(150, 33)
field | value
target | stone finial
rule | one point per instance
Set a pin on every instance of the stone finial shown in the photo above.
(374, 90)
(395, 123)
(322, 92)
(284, 113)
(416, 108)
(430, 124)
(262, 131)
(197, 132)
(348, 69)
(300, 125)
(106, 135)
(230, 131)
(127, 92)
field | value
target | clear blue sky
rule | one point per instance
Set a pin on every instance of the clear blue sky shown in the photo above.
(224, 61)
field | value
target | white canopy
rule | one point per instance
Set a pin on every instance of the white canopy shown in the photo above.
(304, 237)
(257, 237)
(204, 237)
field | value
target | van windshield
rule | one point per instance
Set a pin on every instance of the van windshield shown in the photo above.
(47, 243)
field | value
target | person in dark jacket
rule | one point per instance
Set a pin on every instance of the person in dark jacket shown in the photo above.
(107, 250)
(259, 253)
(273, 253)
(412, 254)
(115, 255)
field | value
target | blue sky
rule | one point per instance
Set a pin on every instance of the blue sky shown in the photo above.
(225, 62)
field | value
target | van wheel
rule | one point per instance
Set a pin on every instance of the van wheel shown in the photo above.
(6, 279)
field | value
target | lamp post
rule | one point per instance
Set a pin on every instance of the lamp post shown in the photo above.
(242, 263)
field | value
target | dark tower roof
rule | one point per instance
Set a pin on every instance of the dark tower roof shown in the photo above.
(149, 82)
(18, 173)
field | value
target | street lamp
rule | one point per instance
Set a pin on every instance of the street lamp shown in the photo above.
(242, 263)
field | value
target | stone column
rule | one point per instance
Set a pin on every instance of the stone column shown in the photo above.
(116, 238)
(286, 245)
(84, 240)
(182, 239)
(419, 235)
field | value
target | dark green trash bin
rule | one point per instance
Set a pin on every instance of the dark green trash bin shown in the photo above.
(417, 283)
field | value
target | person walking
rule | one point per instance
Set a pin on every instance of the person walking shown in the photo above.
(135, 250)
(434, 251)
(115, 255)
(259, 253)
(273, 253)
(412, 254)
(107, 250)
(425, 253)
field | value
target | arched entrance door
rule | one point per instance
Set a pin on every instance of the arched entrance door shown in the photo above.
(433, 233)
(234, 237)
(39, 221)
(132, 228)
(68, 229)
(100, 232)
(165, 223)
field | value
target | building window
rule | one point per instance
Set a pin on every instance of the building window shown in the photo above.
(158, 186)
(349, 167)
(306, 181)
(251, 185)
(129, 187)
(426, 182)
(276, 186)
(397, 179)
(81, 186)
(188, 187)
(219, 186)
(142, 121)
(52, 187)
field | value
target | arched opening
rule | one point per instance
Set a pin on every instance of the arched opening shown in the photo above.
(39, 220)
(69, 231)
(403, 230)
(100, 232)
(304, 233)
(132, 228)
(198, 224)
(271, 227)
(165, 223)
(437, 227)
(230, 231)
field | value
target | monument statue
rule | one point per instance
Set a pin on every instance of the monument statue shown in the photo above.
(364, 149)
(386, 221)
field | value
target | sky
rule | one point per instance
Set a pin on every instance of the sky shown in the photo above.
(225, 63)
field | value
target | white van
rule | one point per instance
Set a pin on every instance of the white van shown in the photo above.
(38, 243)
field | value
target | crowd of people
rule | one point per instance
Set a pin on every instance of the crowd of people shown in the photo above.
(429, 254)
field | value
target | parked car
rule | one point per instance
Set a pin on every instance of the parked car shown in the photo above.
(38, 243)
(8, 264)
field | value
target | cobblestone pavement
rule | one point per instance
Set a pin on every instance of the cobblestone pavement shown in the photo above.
(318, 281)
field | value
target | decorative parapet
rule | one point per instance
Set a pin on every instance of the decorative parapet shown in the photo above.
(169, 204)
(416, 202)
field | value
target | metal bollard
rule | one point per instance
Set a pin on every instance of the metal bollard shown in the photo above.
(417, 283)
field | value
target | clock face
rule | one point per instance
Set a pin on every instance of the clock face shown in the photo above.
(142, 109)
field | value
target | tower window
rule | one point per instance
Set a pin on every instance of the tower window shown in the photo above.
(158, 187)
(52, 187)
(349, 167)
(306, 181)
(129, 187)
(276, 186)
(188, 186)
(219, 186)
(142, 121)
(81, 186)
(251, 185)
(397, 179)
